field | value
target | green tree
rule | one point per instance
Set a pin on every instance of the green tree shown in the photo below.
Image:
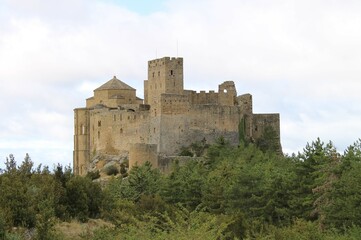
(26, 167)
(61, 176)
(185, 185)
(344, 209)
(142, 180)
(84, 198)
(261, 189)
(45, 221)
(2, 224)
(269, 140)
(315, 174)
(15, 196)
(214, 192)
(10, 164)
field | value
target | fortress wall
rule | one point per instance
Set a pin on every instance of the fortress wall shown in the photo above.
(146, 97)
(227, 93)
(207, 122)
(80, 162)
(141, 153)
(261, 121)
(174, 104)
(245, 103)
(81, 140)
(173, 132)
(204, 98)
(114, 131)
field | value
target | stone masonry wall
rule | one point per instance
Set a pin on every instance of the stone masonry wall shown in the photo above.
(207, 122)
(114, 131)
(81, 140)
(141, 153)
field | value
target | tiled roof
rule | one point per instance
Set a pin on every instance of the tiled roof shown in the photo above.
(114, 83)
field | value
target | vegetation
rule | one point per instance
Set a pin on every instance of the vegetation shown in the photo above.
(111, 170)
(244, 192)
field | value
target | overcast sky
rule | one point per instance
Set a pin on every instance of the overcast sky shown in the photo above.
(299, 58)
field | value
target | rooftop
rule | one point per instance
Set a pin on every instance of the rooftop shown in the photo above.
(114, 83)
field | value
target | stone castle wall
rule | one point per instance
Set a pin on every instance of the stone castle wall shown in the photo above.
(262, 121)
(81, 140)
(204, 97)
(114, 131)
(141, 153)
(207, 122)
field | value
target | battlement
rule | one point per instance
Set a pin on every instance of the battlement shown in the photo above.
(202, 92)
(204, 97)
(165, 60)
(226, 95)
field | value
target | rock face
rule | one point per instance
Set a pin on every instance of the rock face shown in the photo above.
(102, 162)
(116, 125)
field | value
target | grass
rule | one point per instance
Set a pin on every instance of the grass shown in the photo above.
(75, 230)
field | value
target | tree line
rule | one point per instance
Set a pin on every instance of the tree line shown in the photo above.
(239, 192)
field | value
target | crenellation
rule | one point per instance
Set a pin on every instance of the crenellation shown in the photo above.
(116, 122)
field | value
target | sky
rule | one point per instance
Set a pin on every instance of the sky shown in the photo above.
(300, 58)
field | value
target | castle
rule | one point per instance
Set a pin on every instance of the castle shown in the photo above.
(115, 121)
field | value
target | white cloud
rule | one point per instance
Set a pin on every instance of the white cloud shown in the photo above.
(299, 58)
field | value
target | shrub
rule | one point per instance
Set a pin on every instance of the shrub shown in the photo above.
(93, 175)
(111, 170)
(185, 152)
(2, 225)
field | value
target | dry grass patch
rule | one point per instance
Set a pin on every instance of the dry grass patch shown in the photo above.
(78, 231)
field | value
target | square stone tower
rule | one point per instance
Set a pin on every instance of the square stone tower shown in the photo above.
(165, 75)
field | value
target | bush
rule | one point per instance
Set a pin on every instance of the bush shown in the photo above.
(93, 175)
(2, 225)
(185, 152)
(111, 170)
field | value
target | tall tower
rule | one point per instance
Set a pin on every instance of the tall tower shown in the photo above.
(165, 75)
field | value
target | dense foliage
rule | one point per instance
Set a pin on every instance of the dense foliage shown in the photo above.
(244, 192)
